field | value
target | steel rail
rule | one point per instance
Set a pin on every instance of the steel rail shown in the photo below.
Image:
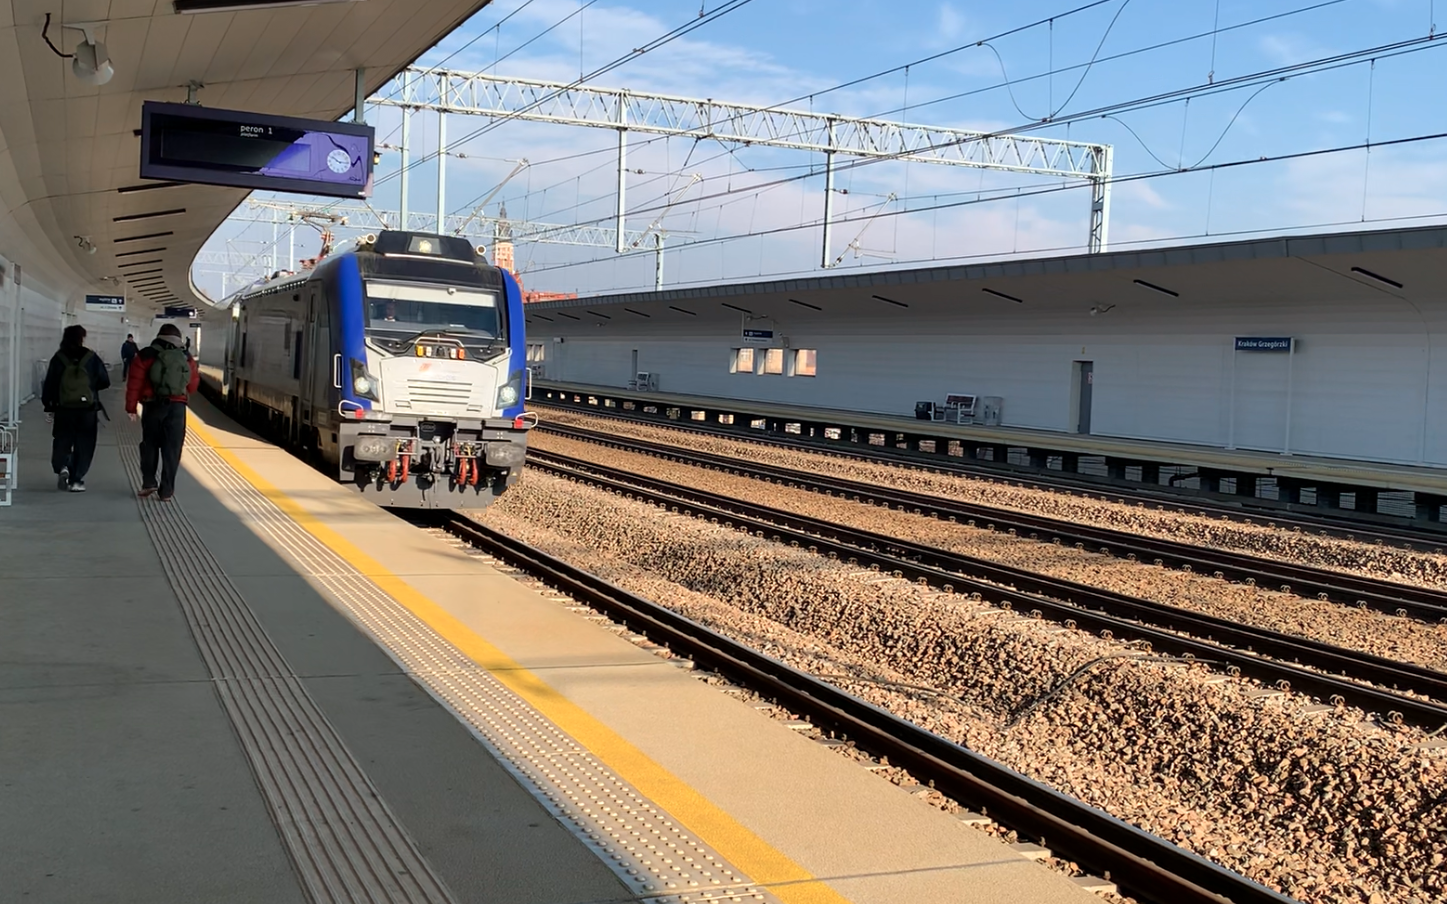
(1304, 580)
(1139, 863)
(1247, 510)
(1266, 655)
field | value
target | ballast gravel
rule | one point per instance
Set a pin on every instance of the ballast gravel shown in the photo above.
(1381, 562)
(1316, 802)
(1400, 639)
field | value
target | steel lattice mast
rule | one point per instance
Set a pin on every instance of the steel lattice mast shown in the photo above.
(625, 111)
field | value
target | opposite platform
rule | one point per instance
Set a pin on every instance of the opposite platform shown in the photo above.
(208, 692)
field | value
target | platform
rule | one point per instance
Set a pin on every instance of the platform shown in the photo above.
(269, 690)
(1326, 478)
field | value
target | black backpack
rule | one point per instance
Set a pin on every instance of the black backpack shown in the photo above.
(75, 387)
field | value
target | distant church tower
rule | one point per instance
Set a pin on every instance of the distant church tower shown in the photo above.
(502, 241)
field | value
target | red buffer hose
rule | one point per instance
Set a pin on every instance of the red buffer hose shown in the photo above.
(392, 471)
(474, 472)
(461, 471)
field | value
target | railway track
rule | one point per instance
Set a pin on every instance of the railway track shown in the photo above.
(1328, 672)
(1248, 510)
(1303, 580)
(1141, 864)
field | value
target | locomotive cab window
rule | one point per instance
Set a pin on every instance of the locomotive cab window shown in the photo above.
(397, 311)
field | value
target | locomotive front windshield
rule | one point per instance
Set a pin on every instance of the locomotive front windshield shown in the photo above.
(395, 311)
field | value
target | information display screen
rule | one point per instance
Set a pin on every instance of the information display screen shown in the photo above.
(186, 143)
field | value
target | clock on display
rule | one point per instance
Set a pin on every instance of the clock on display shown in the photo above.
(338, 161)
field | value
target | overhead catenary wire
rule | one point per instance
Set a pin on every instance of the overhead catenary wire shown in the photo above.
(1276, 74)
(1114, 180)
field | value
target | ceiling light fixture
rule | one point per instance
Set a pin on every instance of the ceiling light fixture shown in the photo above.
(805, 304)
(891, 301)
(1156, 288)
(231, 6)
(639, 313)
(1377, 276)
(682, 311)
(736, 308)
(1003, 295)
(148, 216)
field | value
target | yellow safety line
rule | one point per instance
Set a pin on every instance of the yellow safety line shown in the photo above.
(758, 860)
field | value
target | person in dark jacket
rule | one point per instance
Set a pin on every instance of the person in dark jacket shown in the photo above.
(71, 396)
(163, 417)
(128, 351)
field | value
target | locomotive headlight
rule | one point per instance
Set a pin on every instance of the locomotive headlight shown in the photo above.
(363, 383)
(509, 393)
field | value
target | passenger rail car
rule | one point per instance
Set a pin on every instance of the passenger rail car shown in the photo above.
(401, 364)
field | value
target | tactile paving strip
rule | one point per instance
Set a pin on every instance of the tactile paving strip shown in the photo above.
(346, 845)
(658, 860)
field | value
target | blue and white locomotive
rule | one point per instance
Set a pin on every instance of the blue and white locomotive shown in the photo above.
(400, 363)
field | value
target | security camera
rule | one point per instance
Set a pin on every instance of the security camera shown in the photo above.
(1094, 310)
(92, 62)
(90, 250)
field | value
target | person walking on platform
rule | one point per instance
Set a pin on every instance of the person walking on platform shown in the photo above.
(71, 396)
(128, 351)
(162, 382)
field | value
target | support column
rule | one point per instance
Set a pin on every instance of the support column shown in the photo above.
(1070, 462)
(1100, 203)
(1115, 468)
(999, 454)
(622, 170)
(1151, 473)
(1246, 485)
(1210, 480)
(1429, 507)
(1328, 496)
(657, 260)
(405, 176)
(1288, 491)
(826, 260)
(1366, 500)
(1038, 458)
(441, 171)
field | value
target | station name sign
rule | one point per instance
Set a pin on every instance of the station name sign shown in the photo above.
(113, 303)
(1263, 343)
(187, 143)
(758, 337)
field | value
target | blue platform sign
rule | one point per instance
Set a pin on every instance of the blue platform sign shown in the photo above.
(1263, 343)
(113, 303)
(758, 337)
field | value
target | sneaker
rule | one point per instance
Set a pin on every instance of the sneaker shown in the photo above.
(62, 479)
(145, 491)
(78, 487)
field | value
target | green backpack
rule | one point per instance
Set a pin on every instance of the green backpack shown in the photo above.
(75, 388)
(170, 373)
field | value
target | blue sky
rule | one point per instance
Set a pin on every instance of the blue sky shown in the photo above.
(772, 51)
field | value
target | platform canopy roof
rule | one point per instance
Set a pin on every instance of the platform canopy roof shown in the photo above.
(1372, 266)
(70, 152)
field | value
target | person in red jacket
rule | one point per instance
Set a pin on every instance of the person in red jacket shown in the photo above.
(161, 382)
